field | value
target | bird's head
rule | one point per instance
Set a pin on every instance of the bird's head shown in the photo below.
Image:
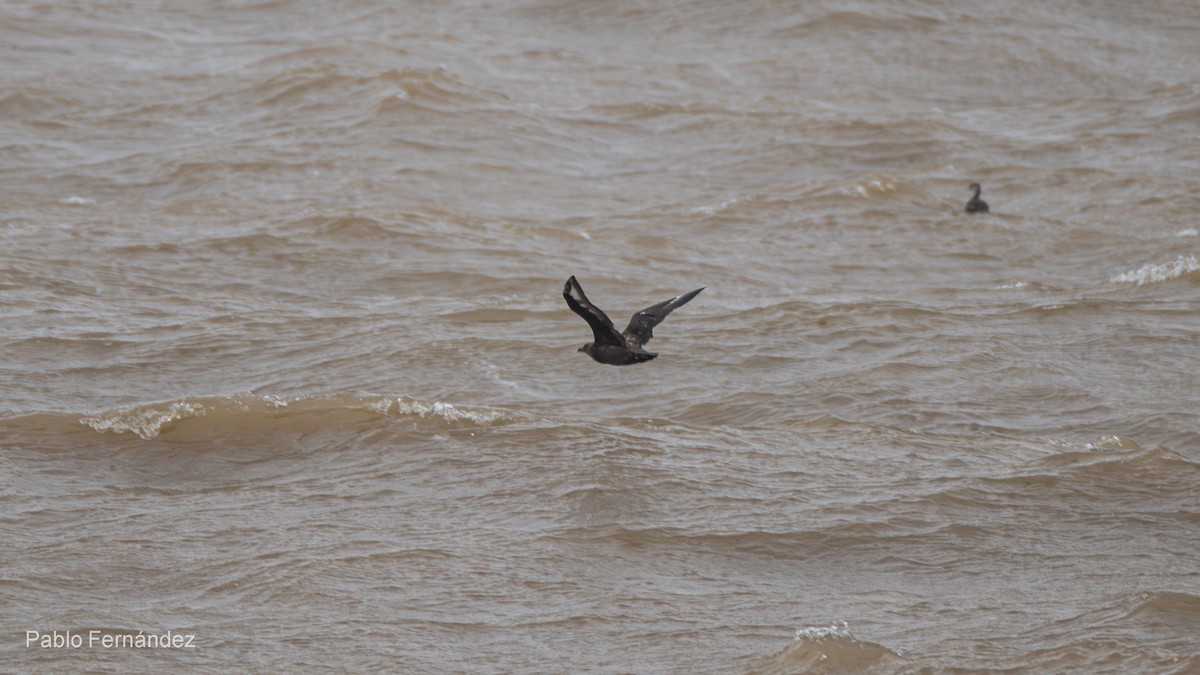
(587, 349)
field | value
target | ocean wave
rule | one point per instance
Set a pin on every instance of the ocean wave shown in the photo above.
(1120, 455)
(1152, 273)
(832, 22)
(436, 89)
(786, 544)
(322, 83)
(840, 629)
(1160, 623)
(829, 649)
(146, 422)
(405, 406)
(716, 207)
(75, 200)
(247, 410)
(1174, 608)
(871, 187)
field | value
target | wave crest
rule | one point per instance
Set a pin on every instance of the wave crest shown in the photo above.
(145, 421)
(151, 420)
(1152, 273)
(405, 405)
(829, 649)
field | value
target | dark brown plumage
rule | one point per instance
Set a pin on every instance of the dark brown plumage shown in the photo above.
(611, 347)
(975, 204)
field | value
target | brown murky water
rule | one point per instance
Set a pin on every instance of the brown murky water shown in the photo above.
(285, 366)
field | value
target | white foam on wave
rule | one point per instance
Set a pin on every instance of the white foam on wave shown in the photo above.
(1151, 273)
(411, 406)
(146, 422)
(831, 649)
(18, 227)
(877, 185)
(1190, 232)
(275, 401)
(77, 201)
(840, 629)
(711, 209)
(1112, 442)
(149, 421)
(389, 406)
(1109, 443)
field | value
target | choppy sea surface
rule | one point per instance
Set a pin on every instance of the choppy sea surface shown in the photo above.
(285, 365)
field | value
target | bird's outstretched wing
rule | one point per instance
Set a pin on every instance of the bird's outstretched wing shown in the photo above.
(602, 326)
(641, 326)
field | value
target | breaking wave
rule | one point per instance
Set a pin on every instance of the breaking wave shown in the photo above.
(1152, 273)
(829, 649)
(144, 421)
(150, 420)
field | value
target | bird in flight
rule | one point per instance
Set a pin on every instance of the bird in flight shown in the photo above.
(611, 347)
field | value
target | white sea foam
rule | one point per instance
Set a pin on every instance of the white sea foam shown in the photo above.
(77, 201)
(1157, 272)
(877, 185)
(147, 422)
(839, 629)
(711, 209)
(20, 227)
(411, 406)
(1108, 443)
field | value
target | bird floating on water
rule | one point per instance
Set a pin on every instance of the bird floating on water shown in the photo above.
(611, 347)
(975, 204)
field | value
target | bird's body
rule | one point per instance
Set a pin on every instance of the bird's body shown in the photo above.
(611, 347)
(975, 204)
(615, 355)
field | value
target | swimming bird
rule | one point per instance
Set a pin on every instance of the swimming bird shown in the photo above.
(611, 347)
(975, 203)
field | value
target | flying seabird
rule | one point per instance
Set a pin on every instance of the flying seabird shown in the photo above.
(611, 347)
(976, 204)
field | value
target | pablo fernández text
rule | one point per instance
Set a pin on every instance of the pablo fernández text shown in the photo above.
(99, 639)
